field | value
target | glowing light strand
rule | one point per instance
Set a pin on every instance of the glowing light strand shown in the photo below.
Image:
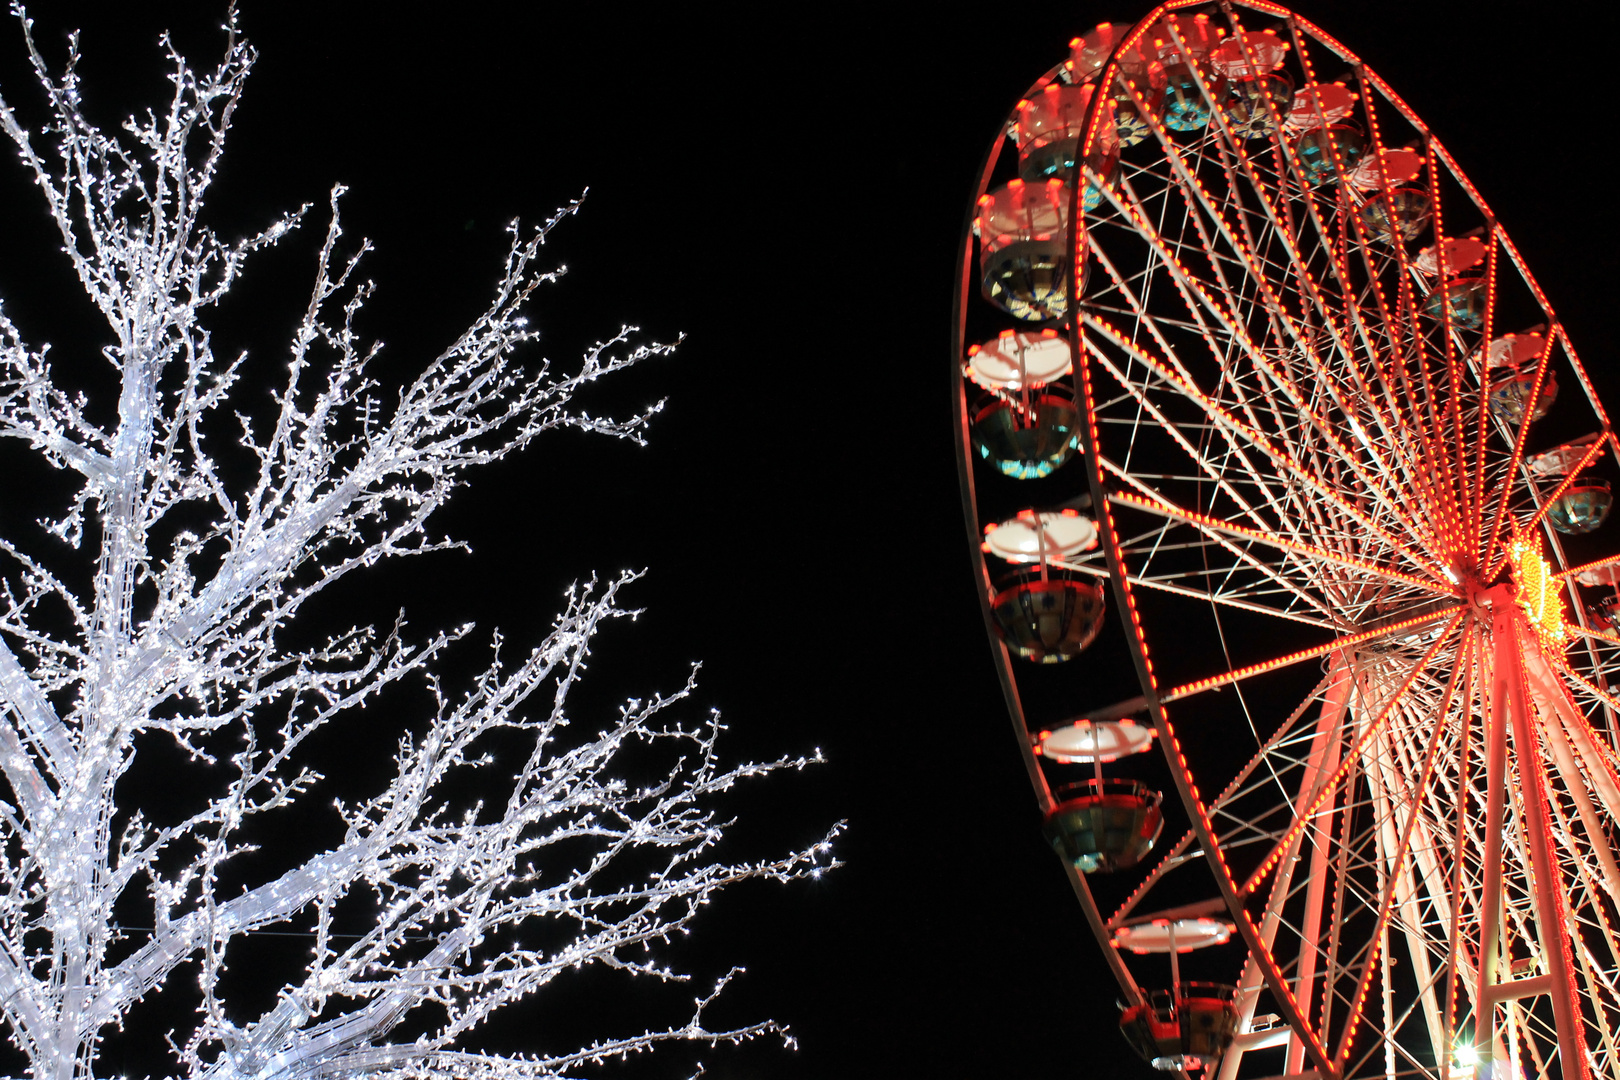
(1363, 738)
(1538, 592)
(1265, 445)
(1197, 297)
(1165, 508)
(1386, 906)
(1348, 641)
(1558, 492)
(177, 639)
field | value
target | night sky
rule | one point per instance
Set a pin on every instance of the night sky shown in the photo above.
(785, 186)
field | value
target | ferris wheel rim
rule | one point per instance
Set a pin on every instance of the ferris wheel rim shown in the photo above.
(1121, 581)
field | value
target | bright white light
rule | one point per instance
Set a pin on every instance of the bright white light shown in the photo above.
(173, 637)
(1467, 1056)
(1361, 433)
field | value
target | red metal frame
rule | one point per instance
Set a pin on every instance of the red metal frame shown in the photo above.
(1474, 539)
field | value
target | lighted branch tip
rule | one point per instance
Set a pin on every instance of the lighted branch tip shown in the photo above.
(179, 629)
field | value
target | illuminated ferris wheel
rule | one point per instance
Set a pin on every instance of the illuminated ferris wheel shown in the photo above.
(1244, 359)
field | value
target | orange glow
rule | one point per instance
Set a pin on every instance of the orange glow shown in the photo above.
(1518, 452)
(1326, 789)
(1166, 509)
(1570, 478)
(1261, 441)
(1597, 635)
(1595, 564)
(1304, 654)
(1538, 590)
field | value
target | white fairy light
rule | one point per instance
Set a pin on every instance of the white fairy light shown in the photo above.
(182, 638)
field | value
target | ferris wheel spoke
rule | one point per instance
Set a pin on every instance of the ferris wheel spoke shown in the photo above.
(1331, 692)
(1493, 555)
(1213, 472)
(1322, 736)
(1373, 89)
(1433, 473)
(1595, 564)
(1392, 863)
(1220, 475)
(1326, 789)
(1439, 808)
(1407, 354)
(1595, 882)
(1388, 1030)
(1200, 594)
(1348, 356)
(1188, 183)
(1241, 257)
(1216, 527)
(1297, 591)
(1596, 977)
(1482, 425)
(1196, 295)
(1377, 340)
(1600, 695)
(1265, 445)
(1595, 635)
(1174, 855)
(1425, 949)
(1596, 761)
(1348, 641)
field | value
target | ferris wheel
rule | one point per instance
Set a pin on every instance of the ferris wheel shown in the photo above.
(1245, 364)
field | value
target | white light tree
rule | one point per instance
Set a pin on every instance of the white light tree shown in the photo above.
(194, 572)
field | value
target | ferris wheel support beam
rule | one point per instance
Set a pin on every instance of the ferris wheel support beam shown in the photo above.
(1598, 766)
(1324, 761)
(1323, 755)
(1490, 917)
(1510, 707)
(1564, 756)
(1395, 861)
(1392, 867)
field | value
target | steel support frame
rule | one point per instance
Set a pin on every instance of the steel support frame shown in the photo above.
(1510, 710)
(1323, 759)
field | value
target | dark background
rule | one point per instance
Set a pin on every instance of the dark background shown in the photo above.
(786, 186)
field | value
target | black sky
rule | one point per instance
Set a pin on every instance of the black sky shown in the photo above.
(785, 185)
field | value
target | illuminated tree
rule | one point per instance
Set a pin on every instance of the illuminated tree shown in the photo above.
(202, 531)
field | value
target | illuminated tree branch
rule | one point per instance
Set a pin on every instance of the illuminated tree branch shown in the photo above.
(196, 568)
